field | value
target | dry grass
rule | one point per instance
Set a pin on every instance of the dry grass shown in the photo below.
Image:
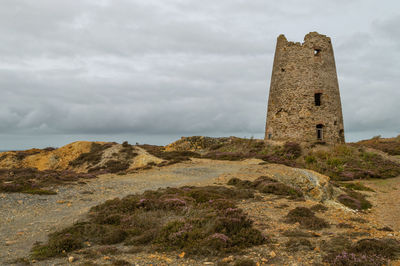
(170, 157)
(340, 162)
(389, 145)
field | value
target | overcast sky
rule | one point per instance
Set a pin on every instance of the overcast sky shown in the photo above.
(150, 71)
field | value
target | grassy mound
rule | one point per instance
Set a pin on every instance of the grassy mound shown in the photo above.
(33, 181)
(343, 162)
(389, 145)
(170, 157)
(119, 162)
(197, 220)
(93, 157)
(340, 162)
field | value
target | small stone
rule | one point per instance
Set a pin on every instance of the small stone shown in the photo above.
(8, 243)
(71, 259)
(272, 254)
(20, 201)
(208, 263)
(106, 258)
(227, 259)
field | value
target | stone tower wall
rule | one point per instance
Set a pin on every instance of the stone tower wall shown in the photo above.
(299, 72)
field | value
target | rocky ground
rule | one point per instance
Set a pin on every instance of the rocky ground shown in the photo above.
(26, 218)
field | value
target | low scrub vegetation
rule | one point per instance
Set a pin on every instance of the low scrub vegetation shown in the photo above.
(196, 220)
(354, 200)
(33, 181)
(170, 157)
(92, 157)
(343, 162)
(266, 185)
(118, 163)
(369, 251)
(340, 162)
(306, 218)
(389, 145)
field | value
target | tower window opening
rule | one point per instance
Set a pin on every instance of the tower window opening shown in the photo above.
(317, 99)
(269, 136)
(341, 133)
(317, 52)
(320, 131)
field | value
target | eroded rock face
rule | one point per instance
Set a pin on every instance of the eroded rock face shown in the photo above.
(57, 159)
(315, 186)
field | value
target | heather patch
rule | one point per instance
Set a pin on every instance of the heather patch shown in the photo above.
(354, 200)
(346, 163)
(306, 218)
(196, 220)
(341, 251)
(267, 185)
(33, 181)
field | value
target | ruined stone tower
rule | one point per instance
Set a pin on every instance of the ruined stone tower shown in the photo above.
(304, 99)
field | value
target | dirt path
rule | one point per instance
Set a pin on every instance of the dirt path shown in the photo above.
(386, 201)
(26, 219)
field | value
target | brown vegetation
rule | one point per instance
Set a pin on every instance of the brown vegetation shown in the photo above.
(266, 185)
(197, 220)
(33, 181)
(340, 162)
(306, 218)
(170, 157)
(388, 145)
(341, 251)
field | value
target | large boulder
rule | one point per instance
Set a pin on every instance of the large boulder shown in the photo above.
(314, 185)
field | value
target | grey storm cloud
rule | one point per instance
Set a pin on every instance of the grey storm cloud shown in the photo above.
(173, 67)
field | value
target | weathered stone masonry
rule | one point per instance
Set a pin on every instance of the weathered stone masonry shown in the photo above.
(304, 100)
